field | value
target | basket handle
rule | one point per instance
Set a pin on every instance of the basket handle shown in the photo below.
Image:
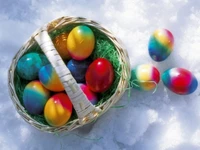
(85, 110)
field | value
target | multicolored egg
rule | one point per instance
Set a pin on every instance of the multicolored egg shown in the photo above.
(49, 78)
(80, 42)
(60, 43)
(180, 81)
(100, 75)
(145, 77)
(91, 96)
(78, 69)
(35, 97)
(161, 44)
(29, 65)
(58, 110)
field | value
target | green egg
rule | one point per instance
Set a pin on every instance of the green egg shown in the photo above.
(29, 65)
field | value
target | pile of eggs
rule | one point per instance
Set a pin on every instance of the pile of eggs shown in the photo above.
(146, 76)
(45, 95)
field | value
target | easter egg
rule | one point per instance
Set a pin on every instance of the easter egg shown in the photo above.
(60, 43)
(161, 44)
(99, 75)
(29, 65)
(58, 110)
(35, 97)
(80, 42)
(78, 69)
(145, 77)
(91, 96)
(49, 78)
(180, 81)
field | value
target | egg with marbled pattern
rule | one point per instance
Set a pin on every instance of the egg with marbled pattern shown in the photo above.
(29, 65)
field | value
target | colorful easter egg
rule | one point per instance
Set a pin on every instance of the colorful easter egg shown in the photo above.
(35, 97)
(161, 44)
(58, 110)
(29, 65)
(91, 96)
(78, 69)
(180, 81)
(99, 75)
(49, 78)
(60, 43)
(80, 42)
(145, 77)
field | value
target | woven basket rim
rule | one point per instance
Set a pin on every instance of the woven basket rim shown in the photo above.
(53, 25)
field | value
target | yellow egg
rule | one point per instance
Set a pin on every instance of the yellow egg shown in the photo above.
(80, 42)
(58, 110)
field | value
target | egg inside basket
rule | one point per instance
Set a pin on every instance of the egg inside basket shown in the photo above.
(106, 46)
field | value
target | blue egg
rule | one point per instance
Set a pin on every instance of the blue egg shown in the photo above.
(29, 65)
(79, 68)
(35, 97)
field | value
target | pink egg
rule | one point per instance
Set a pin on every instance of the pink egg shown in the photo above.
(91, 96)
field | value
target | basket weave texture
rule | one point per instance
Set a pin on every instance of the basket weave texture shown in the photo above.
(86, 112)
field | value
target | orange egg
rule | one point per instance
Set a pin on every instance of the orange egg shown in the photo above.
(49, 78)
(60, 43)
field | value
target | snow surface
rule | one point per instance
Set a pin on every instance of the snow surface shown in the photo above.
(159, 121)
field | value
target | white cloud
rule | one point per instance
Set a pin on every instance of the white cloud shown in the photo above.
(152, 115)
(172, 136)
(195, 138)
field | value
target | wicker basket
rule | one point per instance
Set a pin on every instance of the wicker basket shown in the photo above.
(86, 112)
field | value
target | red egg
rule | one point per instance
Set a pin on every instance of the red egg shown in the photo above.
(99, 75)
(180, 81)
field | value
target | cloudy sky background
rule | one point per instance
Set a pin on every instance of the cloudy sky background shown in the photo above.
(159, 121)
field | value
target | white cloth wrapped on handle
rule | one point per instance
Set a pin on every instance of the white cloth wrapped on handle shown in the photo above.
(85, 110)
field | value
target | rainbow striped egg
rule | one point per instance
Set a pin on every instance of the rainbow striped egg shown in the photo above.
(35, 97)
(180, 81)
(80, 42)
(91, 96)
(49, 78)
(58, 110)
(161, 44)
(145, 77)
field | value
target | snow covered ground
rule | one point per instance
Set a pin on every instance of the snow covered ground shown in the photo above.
(159, 121)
